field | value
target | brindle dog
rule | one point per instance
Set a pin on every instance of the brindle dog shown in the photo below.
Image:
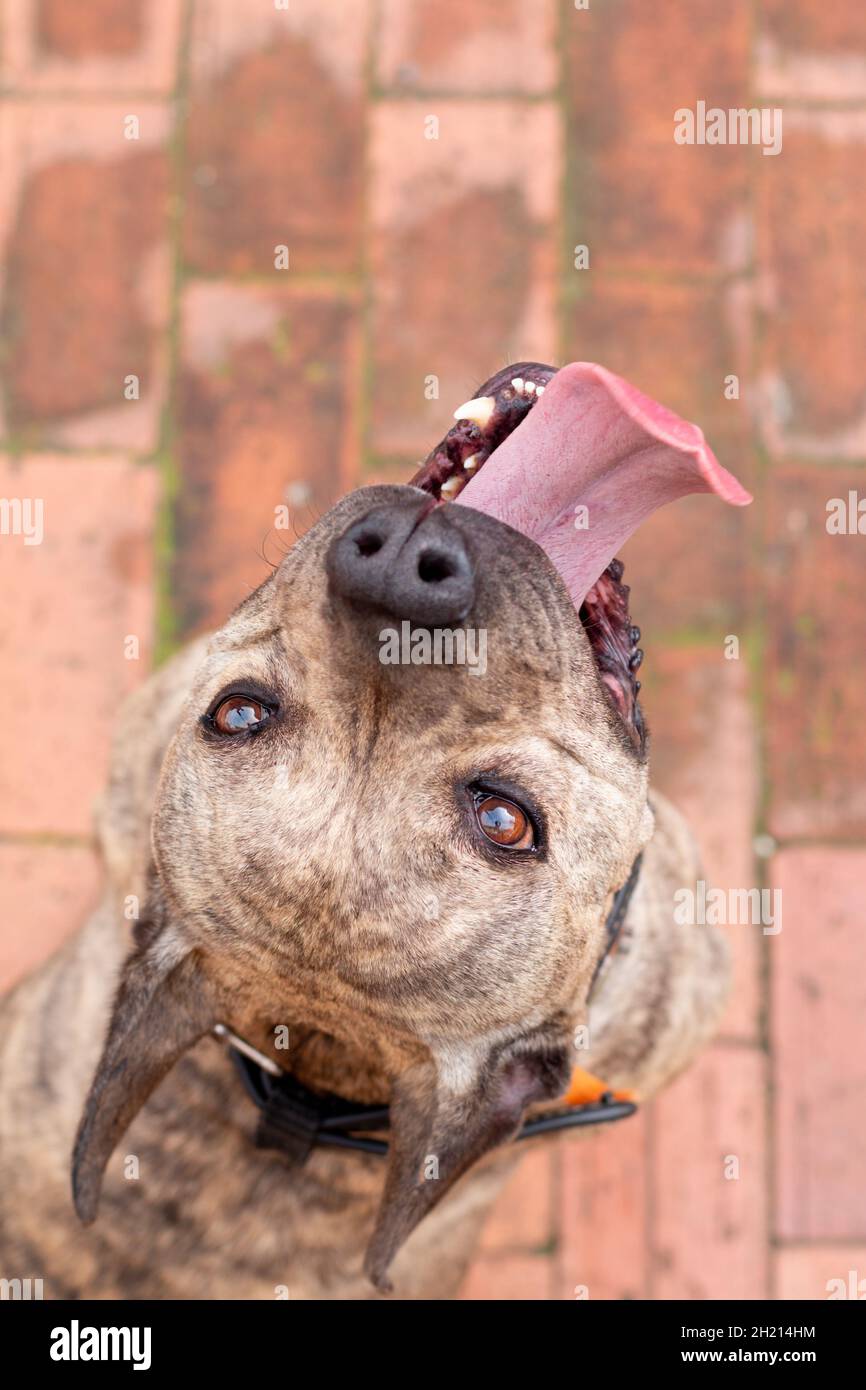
(409, 867)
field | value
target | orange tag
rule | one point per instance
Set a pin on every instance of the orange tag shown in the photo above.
(586, 1089)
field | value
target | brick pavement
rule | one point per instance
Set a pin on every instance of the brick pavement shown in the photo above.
(151, 260)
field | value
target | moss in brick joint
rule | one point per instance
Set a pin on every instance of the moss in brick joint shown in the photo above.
(395, 469)
(281, 342)
(166, 637)
(689, 635)
(166, 633)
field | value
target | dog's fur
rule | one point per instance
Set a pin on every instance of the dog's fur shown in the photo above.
(322, 875)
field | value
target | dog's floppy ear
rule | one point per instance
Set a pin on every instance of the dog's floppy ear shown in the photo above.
(161, 1009)
(448, 1112)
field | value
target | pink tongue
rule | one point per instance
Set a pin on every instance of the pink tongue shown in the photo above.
(594, 441)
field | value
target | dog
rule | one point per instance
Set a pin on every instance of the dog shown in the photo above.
(383, 882)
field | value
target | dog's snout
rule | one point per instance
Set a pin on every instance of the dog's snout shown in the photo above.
(407, 560)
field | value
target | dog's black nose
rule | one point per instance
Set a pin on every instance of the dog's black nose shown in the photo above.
(407, 560)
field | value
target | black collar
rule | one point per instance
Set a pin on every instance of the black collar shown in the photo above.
(615, 919)
(295, 1120)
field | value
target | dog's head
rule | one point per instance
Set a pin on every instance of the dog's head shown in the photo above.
(410, 775)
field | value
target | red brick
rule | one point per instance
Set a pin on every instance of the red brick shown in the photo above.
(813, 1271)
(624, 323)
(511, 1278)
(709, 1231)
(101, 28)
(523, 1214)
(816, 741)
(690, 571)
(275, 138)
(463, 256)
(86, 299)
(78, 595)
(266, 419)
(603, 1212)
(103, 46)
(639, 200)
(786, 74)
(704, 756)
(46, 892)
(802, 25)
(813, 225)
(76, 337)
(818, 1005)
(489, 46)
(621, 324)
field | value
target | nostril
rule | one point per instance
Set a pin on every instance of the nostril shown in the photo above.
(405, 559)
(368, 543)
(433, 567)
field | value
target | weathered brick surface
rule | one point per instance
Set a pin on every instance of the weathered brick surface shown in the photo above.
(621, 322)
(77, 597)
(821, 29)
(489, 46)
(819, 1271)
(103, 46)
(524, 1217)
(463, 256)
(787, 69)
(604, 1187)
(85, 301)
(710, 1229)
(266, 420)
(815, 737)
(818, 1003)
(704, 749)
(812, 228)
(689, 569)
(512, 1278)
(636, 198)
(101, 28)
(414, 259)
(275, 139)
(46, 892)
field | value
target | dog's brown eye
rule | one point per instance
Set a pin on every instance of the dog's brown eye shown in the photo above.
(504, 823)
(239, 713)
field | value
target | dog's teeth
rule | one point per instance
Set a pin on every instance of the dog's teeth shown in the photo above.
(478, 410)
(470, 464)
(451, 487)
(517, 383)
(529, 388)
(539, 390)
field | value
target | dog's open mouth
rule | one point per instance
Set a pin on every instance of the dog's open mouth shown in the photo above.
(579, 459)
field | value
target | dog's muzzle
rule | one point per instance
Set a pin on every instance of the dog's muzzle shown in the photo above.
(295, 1120)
